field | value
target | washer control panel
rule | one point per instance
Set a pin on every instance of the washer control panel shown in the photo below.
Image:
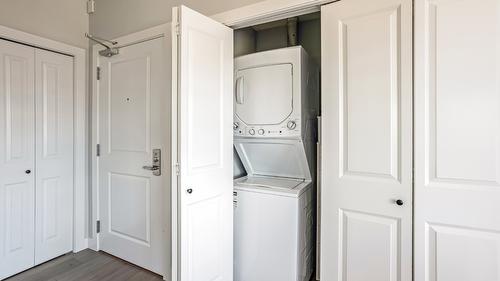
(290, 127)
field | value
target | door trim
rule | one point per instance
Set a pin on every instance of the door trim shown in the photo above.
(267, 11)
(80, 190)
(162, 30)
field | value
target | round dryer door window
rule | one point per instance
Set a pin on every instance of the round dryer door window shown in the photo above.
(264, 94)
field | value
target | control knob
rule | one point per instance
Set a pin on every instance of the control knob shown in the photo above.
(236, 125)
(252, 132)
(291, 125)
(261, 131)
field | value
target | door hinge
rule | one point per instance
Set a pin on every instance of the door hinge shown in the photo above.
(177, 29)
(98, 72)
(98, 150)
(90, 7)
(177, 169)
(98, 226)
(235, 199)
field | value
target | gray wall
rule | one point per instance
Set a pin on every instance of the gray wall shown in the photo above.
(249, 41)
(61, 20)
(114, 18)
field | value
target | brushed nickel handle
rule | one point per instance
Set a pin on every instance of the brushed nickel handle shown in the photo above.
(151, 168)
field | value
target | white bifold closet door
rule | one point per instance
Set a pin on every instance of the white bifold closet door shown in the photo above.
(366, 217)
(54, 155)
(457, 140)
(17, 147)
(36, 156)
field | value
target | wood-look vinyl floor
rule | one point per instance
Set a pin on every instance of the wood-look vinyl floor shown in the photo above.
(86, 265)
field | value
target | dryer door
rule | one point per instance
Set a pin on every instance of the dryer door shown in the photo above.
(264, 94)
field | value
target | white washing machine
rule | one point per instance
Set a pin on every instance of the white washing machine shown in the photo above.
(273, 229)
(275, 108)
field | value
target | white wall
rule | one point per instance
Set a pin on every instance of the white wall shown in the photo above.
(114, 18)
(61, 20)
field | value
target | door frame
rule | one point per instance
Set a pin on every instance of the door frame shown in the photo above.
(80, 107)
(136, 37)
(267, 11)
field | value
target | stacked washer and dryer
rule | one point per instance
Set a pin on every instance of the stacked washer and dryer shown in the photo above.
(276, 104)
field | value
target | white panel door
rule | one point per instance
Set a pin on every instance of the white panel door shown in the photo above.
(457, 143)
(204, 55)
(133, 121)
(54, 155)
(366, 141)
(17, 204)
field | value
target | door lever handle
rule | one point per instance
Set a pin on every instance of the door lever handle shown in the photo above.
(151, 168)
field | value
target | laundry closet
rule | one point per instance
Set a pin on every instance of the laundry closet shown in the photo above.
(276, 109)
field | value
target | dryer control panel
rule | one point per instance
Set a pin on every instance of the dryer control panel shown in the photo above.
(290, 128)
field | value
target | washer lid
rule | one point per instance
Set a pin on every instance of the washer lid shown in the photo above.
(271, 182)
(273, 157)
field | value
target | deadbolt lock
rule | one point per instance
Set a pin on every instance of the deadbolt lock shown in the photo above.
(156, 167)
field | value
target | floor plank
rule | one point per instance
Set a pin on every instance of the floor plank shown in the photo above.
(86, 265)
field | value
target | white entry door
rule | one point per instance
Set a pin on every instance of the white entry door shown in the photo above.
(366, 181)
(457, 140)
(203, 68)
(133, 125)
(17, 158)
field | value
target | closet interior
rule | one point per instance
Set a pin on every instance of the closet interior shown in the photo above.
(276, 113)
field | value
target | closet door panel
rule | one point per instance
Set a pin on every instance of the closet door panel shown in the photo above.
(204, 71)
(54, 155)
(16, 158)
(366, 141)
(457, 144)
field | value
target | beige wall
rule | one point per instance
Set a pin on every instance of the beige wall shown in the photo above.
(114, 18)
(61, 20)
